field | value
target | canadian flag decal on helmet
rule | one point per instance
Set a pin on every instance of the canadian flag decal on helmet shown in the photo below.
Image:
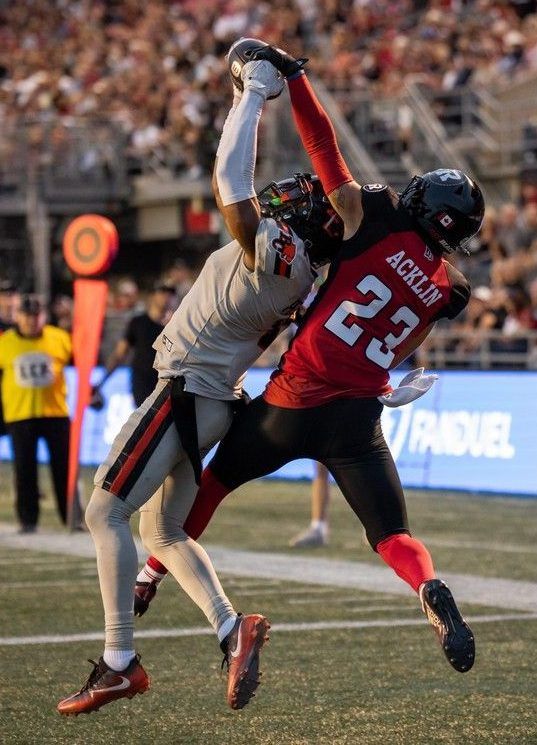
(445, 220)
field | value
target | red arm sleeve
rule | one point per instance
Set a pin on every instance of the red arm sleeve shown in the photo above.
(317, 135)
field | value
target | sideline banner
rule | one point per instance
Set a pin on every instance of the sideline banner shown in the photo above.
(474, 431)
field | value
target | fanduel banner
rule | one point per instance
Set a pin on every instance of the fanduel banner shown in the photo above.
(475, 431)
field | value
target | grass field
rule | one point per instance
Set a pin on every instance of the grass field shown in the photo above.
(384, 680)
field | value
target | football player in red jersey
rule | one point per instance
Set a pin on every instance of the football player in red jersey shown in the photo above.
(386, 287)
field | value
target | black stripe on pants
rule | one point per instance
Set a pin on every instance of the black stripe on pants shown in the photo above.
(24, 436)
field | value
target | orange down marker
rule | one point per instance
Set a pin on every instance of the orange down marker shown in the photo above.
(90, 245)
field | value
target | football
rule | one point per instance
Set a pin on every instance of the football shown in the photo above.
(239, 54)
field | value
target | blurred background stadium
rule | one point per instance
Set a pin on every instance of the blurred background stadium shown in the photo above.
(116, 108)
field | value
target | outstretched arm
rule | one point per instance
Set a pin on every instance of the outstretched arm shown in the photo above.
(233, 177)
(319, 139)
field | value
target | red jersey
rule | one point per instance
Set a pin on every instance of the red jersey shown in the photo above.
(384, 288)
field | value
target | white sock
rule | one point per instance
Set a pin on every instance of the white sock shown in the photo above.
(118, 659)
(149, 575)
(226, 628)
(320, 525)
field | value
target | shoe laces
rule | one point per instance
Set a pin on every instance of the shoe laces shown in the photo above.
(98, 670)
(224, 646)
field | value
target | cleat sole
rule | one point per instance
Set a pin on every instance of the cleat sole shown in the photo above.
(245, 687)
(98, 708)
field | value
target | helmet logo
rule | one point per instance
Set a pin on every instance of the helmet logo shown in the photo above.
(448, 174)
(284, 245)
(445, 220)
(236, 68)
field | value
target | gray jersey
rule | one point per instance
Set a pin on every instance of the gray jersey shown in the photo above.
(231, 313)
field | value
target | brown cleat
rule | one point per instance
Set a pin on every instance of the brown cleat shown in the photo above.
(241, 648)
(105, 685)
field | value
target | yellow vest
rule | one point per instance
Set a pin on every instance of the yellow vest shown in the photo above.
(33, 383)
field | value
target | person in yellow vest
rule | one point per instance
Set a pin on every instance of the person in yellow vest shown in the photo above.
(33, 356)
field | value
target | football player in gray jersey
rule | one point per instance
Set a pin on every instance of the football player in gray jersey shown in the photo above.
(245, 291)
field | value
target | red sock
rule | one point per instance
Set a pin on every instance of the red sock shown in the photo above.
(408, 557)
(156, 565)
(209, 496)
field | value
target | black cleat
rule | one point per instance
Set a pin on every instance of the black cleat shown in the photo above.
(144, 592)
(454, 634)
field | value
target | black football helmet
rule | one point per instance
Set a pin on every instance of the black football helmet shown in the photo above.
(447, 206)
(241, 52)
(301, 202)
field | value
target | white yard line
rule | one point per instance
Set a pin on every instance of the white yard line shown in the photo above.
(70, 585)
(15, 641)
(489, 591)
(52, 561)
(505, 548)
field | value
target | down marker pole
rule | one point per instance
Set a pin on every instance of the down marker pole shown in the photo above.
(90, 245)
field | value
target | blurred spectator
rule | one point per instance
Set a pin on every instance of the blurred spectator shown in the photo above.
(317, 532)
(61, 312)
(527, 226)
(136, 345)
(123, 303)
(182, 277)
(9, 303)
(507, 228)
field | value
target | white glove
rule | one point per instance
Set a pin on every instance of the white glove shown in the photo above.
(263, 78)
(411, 387)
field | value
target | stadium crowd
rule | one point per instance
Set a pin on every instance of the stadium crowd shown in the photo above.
(157, 69)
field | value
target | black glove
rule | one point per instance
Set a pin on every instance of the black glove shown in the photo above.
(282, 61)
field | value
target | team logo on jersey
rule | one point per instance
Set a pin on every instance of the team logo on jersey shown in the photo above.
(285, 248)
(428, 253)
(374, 187)
(33, 370)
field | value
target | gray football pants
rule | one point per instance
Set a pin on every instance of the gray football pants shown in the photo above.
(148, 466)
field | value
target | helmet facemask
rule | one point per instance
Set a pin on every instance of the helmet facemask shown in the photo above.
(301, 202)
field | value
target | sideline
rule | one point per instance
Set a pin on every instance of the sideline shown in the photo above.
(493, 592)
